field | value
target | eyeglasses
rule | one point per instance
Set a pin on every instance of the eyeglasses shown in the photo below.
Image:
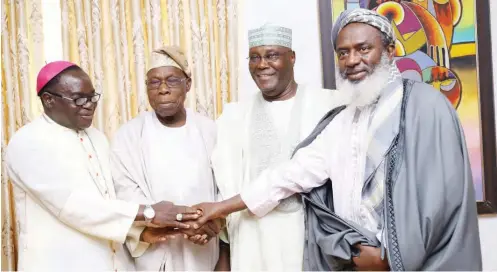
(80, 101)
(171, 82)
(271, 57)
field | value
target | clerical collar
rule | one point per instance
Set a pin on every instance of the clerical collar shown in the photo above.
(55, 124)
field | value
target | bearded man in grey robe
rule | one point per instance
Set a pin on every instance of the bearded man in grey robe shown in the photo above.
(386, 179)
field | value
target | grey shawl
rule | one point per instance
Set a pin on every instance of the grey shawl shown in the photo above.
(430, 208)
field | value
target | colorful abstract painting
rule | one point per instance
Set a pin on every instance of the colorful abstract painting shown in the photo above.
(436, 44)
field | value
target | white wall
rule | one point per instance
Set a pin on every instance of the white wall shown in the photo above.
(302, 16)
(298, 15)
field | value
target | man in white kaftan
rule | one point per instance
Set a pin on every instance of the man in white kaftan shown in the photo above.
(69, 218)
(386, 181)
(165, 155)
(259, 133)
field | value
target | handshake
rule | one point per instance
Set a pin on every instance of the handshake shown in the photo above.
(198, 223)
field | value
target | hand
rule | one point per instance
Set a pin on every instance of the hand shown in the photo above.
(370, 259)
(155, 235)
(205, 233)
(210, 211)
(197, 236)
(166, 214)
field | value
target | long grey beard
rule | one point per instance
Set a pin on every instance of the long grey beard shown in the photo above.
(367, 91)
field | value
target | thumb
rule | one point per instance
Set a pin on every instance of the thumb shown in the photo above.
(198, 208)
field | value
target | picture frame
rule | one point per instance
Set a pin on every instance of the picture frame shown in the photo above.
(482, 63)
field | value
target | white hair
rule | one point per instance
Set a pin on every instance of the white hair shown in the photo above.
(367, 91)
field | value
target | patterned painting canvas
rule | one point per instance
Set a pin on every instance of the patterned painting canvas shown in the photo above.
(436, 44)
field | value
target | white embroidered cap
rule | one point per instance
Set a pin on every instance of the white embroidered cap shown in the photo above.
(270, 34)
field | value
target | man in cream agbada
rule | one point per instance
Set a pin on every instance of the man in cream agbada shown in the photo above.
(260, 133)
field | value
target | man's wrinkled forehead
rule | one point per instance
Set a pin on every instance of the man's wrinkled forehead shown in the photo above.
(357, 34)
(75, 82)
(267, 48)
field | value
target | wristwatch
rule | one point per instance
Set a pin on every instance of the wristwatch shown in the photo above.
(148, 213)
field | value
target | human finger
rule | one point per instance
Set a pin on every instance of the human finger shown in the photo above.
(186, 210)
(204, 239)
(172, 224)
(166, 237)
(172, 236)
(152, 237)
(197, 239)
(187, 217)
(201, 221)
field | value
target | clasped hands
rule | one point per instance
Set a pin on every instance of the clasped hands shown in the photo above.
(174, 221)
(205, 220)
